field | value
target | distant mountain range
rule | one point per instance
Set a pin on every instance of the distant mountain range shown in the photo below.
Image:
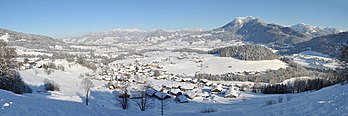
(128, 35)
(246, 29)
(315, 31)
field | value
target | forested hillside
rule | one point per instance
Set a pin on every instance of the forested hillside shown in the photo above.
(246, 52)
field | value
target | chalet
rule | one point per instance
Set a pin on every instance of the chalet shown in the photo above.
(207, 89)
(160, 77)
(232, 93)
(186, 87)
(191, 94)
(153, 65)
(157, 88)
(209, 83)
(161, 95)
(141, 82)
(181, 98)
(26, 66)
(134, 94)
(186, 79)
(217, 89)
(205, 94)
(251, 73)
(165, 91)
(194, 81)
(131, 80)
(106, 78)
(150, 92)
(175, 91)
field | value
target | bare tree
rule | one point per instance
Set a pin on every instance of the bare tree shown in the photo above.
(143, 102)
(163, 104)
(124, 97)
(87, 84)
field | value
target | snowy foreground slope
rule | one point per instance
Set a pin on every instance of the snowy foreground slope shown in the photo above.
(328, 101)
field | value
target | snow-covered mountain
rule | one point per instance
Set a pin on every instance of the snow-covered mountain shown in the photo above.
(239, 31)
(248, 29)
(107, 37)
(328, 44)
(258, 31)
(14, 38)
(128, 36)
(238, 23)
(315, 31)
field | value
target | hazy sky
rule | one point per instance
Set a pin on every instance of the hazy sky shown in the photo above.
(63, 18)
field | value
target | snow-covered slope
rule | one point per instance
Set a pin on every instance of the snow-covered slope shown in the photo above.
(314, 59)
(238, 22)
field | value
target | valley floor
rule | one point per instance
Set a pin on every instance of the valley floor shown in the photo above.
(103, 102)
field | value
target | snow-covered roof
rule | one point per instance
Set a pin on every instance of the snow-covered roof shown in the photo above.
(232, 91)
(187, 86)
(161, 95)
(218, 88)
(182, 98)
(150, 92)
(175, 91)
(191, 94)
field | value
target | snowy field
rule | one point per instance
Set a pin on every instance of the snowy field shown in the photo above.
(26, 51)
(191, 63)
(315, 60)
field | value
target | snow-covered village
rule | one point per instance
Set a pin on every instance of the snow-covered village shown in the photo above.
(243, 65)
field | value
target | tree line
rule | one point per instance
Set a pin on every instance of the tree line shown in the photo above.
(246, 52)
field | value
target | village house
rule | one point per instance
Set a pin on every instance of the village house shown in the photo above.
(217, 88)
(232, 92)
(150, 92)
(181, 98)
(161, 95)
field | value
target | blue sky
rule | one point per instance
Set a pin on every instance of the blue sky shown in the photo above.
(63, 18)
